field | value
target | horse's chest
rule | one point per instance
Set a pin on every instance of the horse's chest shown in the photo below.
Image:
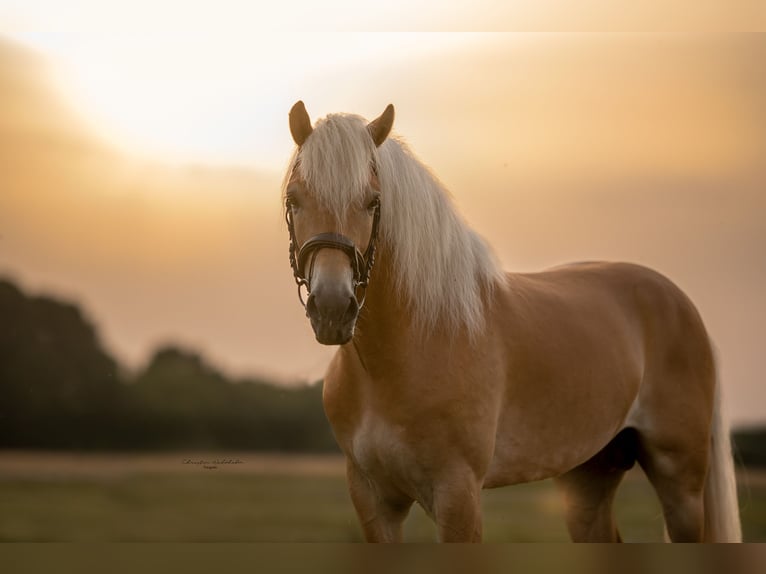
(381, 449)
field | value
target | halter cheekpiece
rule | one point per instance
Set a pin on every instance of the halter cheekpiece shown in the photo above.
(361, 263)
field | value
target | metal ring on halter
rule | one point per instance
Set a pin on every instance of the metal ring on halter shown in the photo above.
(360, 301)
(300, 293)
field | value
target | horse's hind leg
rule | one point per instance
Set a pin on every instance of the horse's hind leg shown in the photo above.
(678, 476)
(589, 490)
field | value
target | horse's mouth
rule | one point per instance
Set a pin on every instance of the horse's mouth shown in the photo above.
(330, 333)
(332, 318)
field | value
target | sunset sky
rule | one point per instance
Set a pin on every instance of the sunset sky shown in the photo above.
(140, 163)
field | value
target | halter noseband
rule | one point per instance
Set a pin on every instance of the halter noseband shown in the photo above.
(361, 263)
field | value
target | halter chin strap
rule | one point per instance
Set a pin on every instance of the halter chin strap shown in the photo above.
(361, 263)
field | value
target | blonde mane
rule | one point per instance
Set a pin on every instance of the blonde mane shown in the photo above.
(442, 269)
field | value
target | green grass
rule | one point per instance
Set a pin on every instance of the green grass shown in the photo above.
(260, 506)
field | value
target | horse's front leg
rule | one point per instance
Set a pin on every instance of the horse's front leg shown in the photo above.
(457, 509)
(380, 515)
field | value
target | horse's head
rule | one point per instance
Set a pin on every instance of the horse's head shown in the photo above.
(332, 202)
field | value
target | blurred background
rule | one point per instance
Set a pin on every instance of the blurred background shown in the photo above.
(150, 333)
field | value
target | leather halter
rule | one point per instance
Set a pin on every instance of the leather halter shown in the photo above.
(361, 263)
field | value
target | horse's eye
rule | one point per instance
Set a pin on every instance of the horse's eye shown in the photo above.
(291, 203)
(373, 204)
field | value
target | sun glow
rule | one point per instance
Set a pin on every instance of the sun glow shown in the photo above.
(212, 87)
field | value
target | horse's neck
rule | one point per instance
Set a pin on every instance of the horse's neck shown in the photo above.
(385, 313)
(388, 337)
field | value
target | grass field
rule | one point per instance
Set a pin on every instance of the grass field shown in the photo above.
(256, 498)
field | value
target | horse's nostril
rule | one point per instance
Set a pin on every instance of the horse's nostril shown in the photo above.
(311, 305)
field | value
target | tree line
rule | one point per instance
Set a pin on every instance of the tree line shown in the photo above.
(59, 389)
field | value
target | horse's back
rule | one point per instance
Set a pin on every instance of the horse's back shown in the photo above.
(610, 293)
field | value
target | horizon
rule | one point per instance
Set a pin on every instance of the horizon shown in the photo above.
(555, 148)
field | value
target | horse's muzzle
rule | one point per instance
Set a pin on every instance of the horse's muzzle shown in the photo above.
(333, 315)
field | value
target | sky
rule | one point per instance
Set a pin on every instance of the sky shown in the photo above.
(160, 211)
(174, 98)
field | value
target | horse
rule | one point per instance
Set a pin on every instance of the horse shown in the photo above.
(452, 376)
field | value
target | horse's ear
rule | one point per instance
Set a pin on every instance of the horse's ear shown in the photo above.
(381, 126)
(300, 124)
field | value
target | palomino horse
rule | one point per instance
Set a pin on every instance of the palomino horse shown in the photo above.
(452, 376)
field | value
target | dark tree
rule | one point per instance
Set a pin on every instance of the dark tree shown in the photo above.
(57, 385)
(60, 389)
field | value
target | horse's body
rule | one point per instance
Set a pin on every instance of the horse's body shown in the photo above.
(459, 377)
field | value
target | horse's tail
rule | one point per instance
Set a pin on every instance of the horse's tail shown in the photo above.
(722, 522)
